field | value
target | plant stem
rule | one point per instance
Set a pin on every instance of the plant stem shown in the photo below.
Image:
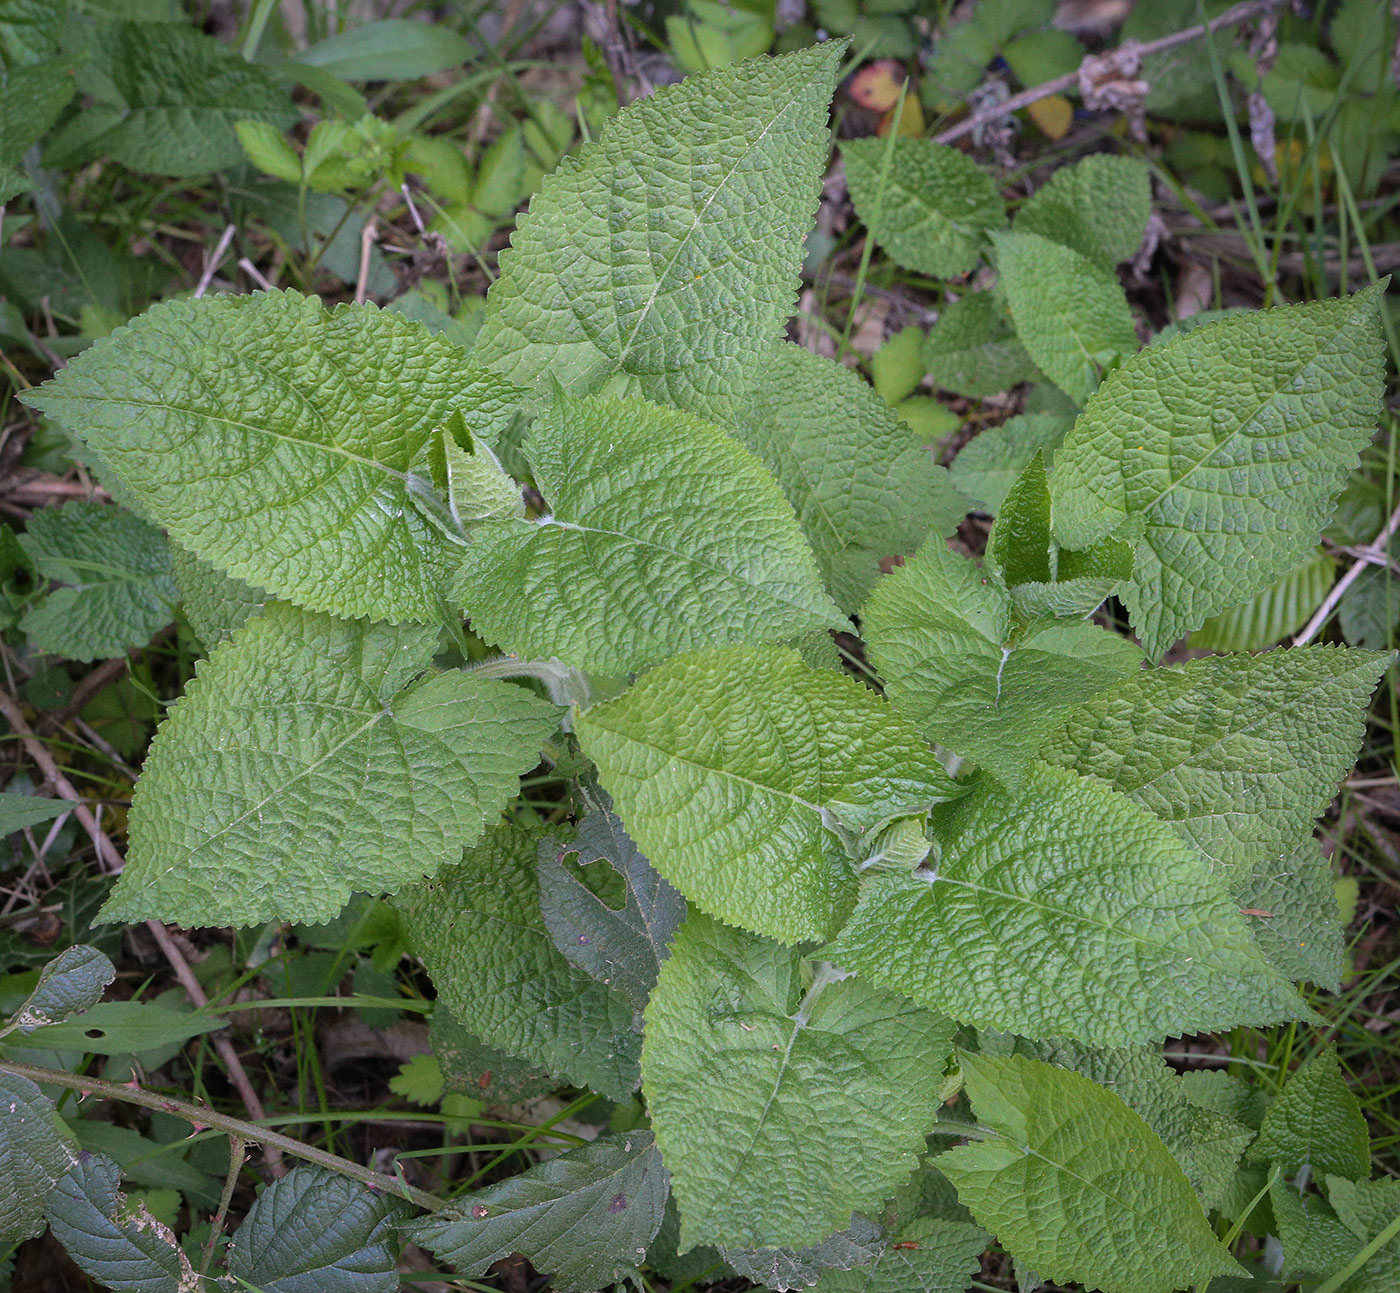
(235, 1127)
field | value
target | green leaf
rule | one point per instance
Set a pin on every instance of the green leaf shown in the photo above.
(31, 99)
(816, 1092)
(286, 443)
(1220, 453)
(928, 205)
(470, 1067)
(124, 1027)
(1316, 1123)
(896, 369)
(1070, 312)
(1064, 910)
(18, 811)
(1291, 902)
(1099, 207)
(988, 465)
(180, 93)
(217, 605)
(116, 571)
(972, 349)
(782, 1269)
(32, 1157)
(958, 663)
(29, 30)
(928, 1255)
(312, 1231)
(483, 940)
(749, 780)
(69, 984)
(393, 49)
(116, 1241)
(303, 763)
(688, 209)
(1366, 1208)
(1074, 1183)
(1237, 754)
(1274, 614)
(1019, 547)
(863, 485)
(584, 1218)
(622, 948)
(1313, 1240)
(665, 534)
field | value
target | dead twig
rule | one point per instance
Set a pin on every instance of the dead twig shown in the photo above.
(219, 249)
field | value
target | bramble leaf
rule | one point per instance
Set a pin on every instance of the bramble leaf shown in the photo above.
(32, 1157)
(749, 780)
(304, 762)
(817, 1092)
(69, 984)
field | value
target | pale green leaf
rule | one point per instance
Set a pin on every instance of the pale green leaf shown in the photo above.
(863, 485)
(71, 983)
(928, 1255)
(972, 349)
(286, 443)
(667, 251)
(1220, 453)
(32, 1157)
(749, 780)
(1274, 614)
(115, 573)
(312, 1231)
(664, 534)
(584, 1218)
(303, 763)
(1063, 909)
(816, 1092)
(782, 1269)
(483, 940)
(217, 605)
(124, 1027)
(987, 466)
(115, 1240)
(1316, 1123)
(957, 662)
(1074, 1183)
(1291, 903)
(1070, 312)
(928, 205)
(1098, 206)
(1237, 754)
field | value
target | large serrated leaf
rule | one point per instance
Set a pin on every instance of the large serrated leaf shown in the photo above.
(483, 940)
(217, 605)
(1070, 312)
(956, 660)
(665, 534)
(584, 1218)
(1291, 901)
(303, 763)
(749, 780)
(928, 205)
(1274, 614)
(285, 443)
(815, 1101)
(1099, 207)
(69, 984)
(32, 1157)
(1316, 1123)
(1074, 1183)
(863, 485)
(1220, 452)
(312, 1231)
(1238, 754)
(471, 1067)
(690, 208)
(928, 1255)
(1063, 909)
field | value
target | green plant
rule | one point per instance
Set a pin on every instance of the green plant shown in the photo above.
(825, 927)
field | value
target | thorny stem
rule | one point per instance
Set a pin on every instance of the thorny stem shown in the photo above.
(237, 1150)
(237, 1128)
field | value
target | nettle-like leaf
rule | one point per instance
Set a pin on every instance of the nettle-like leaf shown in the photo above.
(312, 1231)
(1070, 312)
(864, 486)
(288, 444)
(1075, 1183)
(750, 781)
(584, 1218)
(928, 205)
(957, 660)
(928, 1255)
(1099, 207)
(1292, 905)
(1237, 754)
(690, 208)
(1366, 1208)
(1316, 1123)
(622, 948)
(1313, 1241)
(481, 935)
(69, 984)
(782, 1269)
(665, 534)
(115, 571)
(1274, 614)
(989, 464)
(973, 350)
(119, 1244)
(217, 605)
(1219, 454)
(1062, 909)
(31, 99)
(32, 1157)
(817, 1091)
(304, 762)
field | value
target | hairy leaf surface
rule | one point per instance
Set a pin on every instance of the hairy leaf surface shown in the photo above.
(1316, 1122)
(815, 1100)
(928, 1255)
(972, 350)
(1366, 1208)
(304, 763)
(988, 465)
(217, 605)
(748, 779)
(782, 1269)
(1099, 207)
(1274, 614)
(1291, 902)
